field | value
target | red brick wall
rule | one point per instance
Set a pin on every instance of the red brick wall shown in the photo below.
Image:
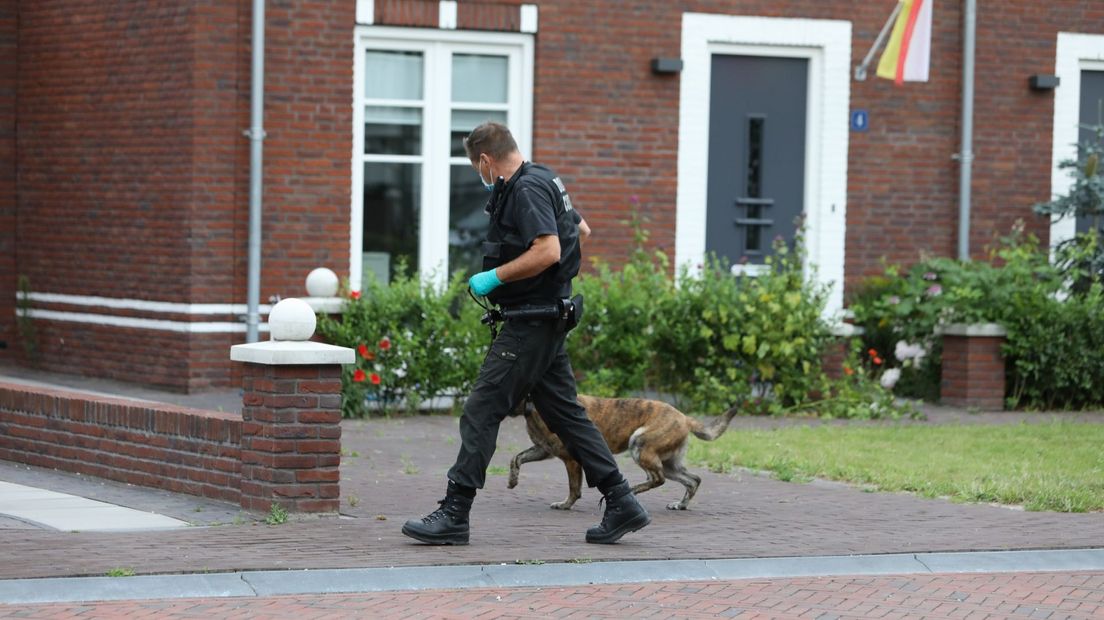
(308, 152)
(133, 173)
(134, 170)
(611, 128)
(148, 444)
(8, 71)
(105, 138)
(1013, 127)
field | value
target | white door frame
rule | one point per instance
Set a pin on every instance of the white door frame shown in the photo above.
(827, 46)
(1075, 53)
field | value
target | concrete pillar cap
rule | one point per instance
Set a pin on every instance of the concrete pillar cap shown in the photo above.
(992, 330)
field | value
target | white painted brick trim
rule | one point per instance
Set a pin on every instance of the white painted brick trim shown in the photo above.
(529, 18)
(190, 327)
(446, 14)
(365, 12)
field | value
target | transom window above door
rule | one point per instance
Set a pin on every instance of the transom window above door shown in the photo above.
(417, 93)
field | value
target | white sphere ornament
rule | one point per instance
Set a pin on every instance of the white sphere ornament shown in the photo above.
(322, 282)
(292, 319)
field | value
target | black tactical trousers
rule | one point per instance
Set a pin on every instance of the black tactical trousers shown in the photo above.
(528, 357)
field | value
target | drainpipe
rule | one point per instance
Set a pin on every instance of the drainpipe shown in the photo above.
(256, 135)
(966, 156)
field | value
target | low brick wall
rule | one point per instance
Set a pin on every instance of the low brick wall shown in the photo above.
(148, 444)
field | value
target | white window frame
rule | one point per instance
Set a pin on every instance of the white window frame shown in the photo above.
(827, 46)
(1074, 53)
(437, 47)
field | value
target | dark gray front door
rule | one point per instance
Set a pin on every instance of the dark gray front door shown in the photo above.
(756, 154)
(1092, 114)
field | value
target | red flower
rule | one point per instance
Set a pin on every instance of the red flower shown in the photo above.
(359, 376)
(354, 295)
(847, 371)
(385, 344)
(369, 355)
(872, 353)
(363, 350)
(877, 361)
(375, 379)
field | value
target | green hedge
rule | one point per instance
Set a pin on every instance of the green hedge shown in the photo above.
(415, 341)
(1052, 311)
(706, 340)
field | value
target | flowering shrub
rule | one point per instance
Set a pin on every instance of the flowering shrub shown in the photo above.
(1053, 350)
(414, 341)
(709, 340)
(714, 338)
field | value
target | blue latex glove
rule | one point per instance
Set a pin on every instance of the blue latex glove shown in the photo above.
(483, 283)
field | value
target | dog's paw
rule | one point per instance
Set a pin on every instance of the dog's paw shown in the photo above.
(676, 506)
(561, 505)
(512, 482)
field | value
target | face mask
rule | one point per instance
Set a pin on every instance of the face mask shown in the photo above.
(487, 186)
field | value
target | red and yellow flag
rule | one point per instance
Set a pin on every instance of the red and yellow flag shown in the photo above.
(907, 56)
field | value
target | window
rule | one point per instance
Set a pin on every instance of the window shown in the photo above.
(417, 94)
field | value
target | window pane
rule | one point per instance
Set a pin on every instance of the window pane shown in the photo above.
(467, 221)
(392, 131)
(392, 205)
(393, 75)
(479, 79)
(463, 121)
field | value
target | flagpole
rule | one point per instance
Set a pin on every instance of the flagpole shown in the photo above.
(860, 71)
(966, 155)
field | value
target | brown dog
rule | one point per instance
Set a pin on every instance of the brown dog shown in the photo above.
(656, 434)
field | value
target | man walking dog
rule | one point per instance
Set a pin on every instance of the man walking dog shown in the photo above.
(530, 257)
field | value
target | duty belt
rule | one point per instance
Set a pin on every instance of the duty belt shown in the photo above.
(567, 311)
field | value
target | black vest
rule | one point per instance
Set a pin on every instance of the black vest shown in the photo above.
(504, 243)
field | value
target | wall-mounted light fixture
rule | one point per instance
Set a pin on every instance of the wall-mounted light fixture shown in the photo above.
(664, 66)
(1044, 82)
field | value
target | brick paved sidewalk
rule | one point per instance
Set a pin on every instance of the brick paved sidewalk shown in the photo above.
(398, 472)
(1024, 595)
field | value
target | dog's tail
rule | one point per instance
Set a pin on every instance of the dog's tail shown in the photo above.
(717, 428)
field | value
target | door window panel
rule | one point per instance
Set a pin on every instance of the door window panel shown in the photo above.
(479, 79)
(468, 222)
(393, 75)
(1092, 114)
(392, 131)
(392, 217)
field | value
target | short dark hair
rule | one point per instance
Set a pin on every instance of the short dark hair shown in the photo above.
(491, 138)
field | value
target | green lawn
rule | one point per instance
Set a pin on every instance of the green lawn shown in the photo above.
(1051, 466)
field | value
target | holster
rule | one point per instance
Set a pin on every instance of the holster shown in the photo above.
(572, 312)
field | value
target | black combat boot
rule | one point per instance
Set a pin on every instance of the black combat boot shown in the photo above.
(623, 515)
(448, 525)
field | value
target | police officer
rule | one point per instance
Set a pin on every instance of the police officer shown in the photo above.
(530, 256)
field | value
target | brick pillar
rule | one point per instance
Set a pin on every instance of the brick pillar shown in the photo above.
(291, 415)
(834, 355)
(291, 437)
(973, 366)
